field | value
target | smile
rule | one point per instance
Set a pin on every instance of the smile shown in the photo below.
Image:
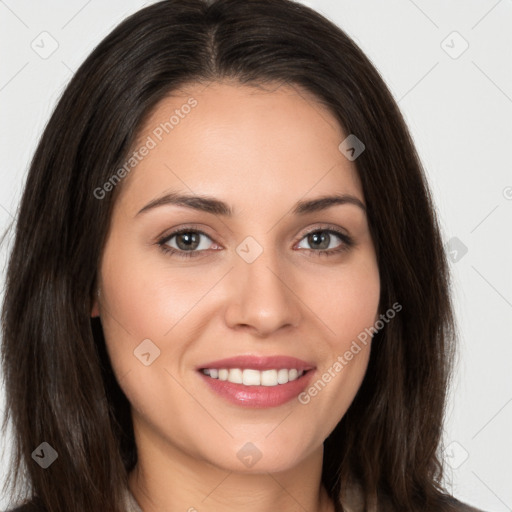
(276, 387)
(251, 377)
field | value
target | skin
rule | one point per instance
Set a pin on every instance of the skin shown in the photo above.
(260, 150)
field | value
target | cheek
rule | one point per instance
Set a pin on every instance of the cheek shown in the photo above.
(142, 300)
(145, 298)
(345, 299)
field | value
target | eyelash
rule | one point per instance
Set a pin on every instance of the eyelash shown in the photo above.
(347, 242)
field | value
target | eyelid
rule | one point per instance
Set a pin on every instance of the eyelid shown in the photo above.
(169, 233)
(324, 227)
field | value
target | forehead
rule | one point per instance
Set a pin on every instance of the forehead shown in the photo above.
(266, 141)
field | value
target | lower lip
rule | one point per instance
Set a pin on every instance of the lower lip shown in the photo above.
(259, 396)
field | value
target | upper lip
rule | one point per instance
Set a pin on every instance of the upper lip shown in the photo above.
(259, 363)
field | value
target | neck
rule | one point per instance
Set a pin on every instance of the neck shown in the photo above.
(167, 478)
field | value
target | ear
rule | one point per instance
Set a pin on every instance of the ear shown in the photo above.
(95, 311)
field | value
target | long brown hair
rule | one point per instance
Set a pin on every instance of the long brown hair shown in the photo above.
(59, 384)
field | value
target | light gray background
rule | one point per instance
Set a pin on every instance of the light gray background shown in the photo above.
(458, 107)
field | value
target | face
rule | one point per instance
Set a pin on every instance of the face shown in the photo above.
(259, 270)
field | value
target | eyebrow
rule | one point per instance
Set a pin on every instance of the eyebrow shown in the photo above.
(217, 207)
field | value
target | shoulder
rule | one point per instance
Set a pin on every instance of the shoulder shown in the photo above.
(459, 506)
(464, 507)
(355, 503)
(35, 505)
(28, 507)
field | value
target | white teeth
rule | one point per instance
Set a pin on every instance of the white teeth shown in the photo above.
(235, 376)
(282, 376)
(269, 377)
(251, 377)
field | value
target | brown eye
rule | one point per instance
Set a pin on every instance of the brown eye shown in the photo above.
(319, 240)
(185, 242)
(323, 242)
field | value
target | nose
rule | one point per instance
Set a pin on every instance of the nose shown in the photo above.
(261, 296)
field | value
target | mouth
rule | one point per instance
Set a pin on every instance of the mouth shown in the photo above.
(251, 377)
(258, 382)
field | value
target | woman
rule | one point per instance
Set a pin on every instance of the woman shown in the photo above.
(228, 287)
